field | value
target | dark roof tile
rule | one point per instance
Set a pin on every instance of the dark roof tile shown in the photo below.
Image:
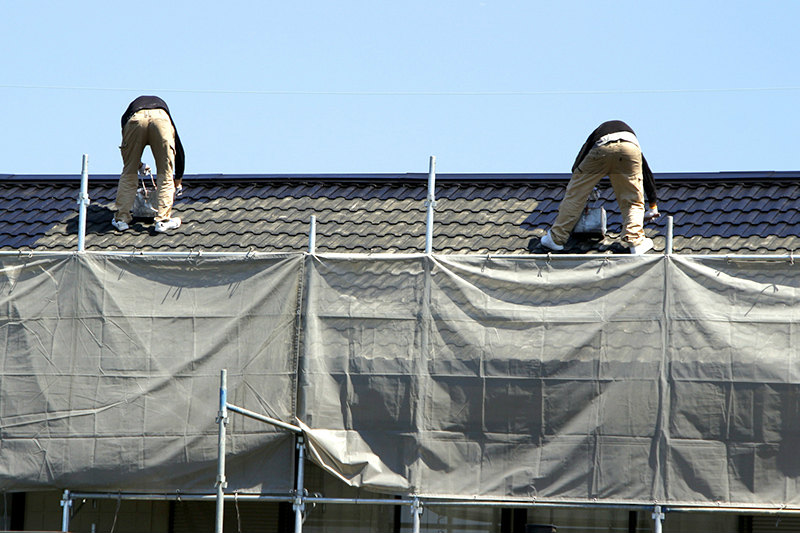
(712, 213)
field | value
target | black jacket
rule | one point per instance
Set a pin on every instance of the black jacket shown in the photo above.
(154, 102)
(616, 126)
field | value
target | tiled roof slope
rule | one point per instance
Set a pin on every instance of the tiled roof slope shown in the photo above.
(750, 213)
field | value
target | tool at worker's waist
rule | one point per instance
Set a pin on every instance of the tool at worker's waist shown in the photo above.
(592, 223)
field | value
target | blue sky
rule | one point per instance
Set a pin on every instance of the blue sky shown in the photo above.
(375, 86)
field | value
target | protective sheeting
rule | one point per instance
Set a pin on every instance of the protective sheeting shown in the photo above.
(110, 371)
(614, 379)
(618, 379)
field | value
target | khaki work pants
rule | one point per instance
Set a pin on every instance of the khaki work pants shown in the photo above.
(151, 127)
(622, 163)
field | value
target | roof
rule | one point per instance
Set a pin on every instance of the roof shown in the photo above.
(726, 212)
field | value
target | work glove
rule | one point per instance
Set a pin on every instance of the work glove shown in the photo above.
(652, 213)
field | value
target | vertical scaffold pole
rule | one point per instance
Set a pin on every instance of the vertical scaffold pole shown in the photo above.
(668, 247)
(83, 202)
(430, 203)
(222, 420)
(299, 505)
(312, 236)
(658, 516)
(66, 503)
(416, 512)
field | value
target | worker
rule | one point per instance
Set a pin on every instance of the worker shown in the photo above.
(611, 150)
(147, 121)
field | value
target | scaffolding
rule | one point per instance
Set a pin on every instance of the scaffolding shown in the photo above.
(300, 498)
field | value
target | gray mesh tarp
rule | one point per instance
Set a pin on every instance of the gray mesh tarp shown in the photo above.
(608, 379)
(618, 379)
(110, 371)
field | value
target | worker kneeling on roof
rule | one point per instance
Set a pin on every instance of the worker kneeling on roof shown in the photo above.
(611, 150)
(147, 121)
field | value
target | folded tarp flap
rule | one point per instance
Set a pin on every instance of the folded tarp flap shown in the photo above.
(345, 455)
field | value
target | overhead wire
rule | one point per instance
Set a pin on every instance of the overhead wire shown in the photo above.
(408, 93)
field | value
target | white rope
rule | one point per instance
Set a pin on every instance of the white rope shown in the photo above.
(116, 513)
(238, 516)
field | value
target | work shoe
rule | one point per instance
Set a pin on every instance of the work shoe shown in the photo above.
(121, 225)
(547, 242)
(168, 225)
(643, 247)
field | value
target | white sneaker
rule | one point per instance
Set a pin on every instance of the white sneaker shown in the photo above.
(168, 225)
(547, 242)
(119, 224)
(643, 247)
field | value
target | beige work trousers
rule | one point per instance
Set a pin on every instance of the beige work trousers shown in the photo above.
(622, 163)
(151, 127)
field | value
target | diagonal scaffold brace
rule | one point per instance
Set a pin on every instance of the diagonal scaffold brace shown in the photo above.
(298, 503)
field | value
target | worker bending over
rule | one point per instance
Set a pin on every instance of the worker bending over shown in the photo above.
(611, 150)
(147, 121)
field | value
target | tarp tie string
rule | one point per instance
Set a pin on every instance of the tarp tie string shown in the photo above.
(238, 515)
(116, 513)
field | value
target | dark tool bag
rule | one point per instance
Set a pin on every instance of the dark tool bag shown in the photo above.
(592, 223)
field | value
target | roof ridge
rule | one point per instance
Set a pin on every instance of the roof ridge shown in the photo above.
(413, 177)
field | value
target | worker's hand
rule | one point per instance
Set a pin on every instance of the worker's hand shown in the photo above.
(651, 214)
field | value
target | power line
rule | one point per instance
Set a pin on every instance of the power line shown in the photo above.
(409, 93)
